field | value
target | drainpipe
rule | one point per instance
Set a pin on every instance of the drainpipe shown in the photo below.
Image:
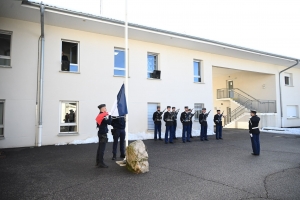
(281, 113)
(41, 80)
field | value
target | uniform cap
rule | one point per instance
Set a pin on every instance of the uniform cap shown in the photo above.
(218, 110)
(101, 106)
(253, 111)
(168, 106)
(186, 107)
(203, 108)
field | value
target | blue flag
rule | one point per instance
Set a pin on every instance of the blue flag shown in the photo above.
(120, 105)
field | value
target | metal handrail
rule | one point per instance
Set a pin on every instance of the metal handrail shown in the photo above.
(246, 93)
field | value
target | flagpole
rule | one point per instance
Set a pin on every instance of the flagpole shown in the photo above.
(126, 72)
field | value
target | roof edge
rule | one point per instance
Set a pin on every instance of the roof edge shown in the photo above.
(119, 22)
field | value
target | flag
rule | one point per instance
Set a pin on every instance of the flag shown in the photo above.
(119, 107)
(100, 117)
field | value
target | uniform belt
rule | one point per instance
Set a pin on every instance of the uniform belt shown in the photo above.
(158, 120)
(254, 127)
(169, 120)
(187, 120)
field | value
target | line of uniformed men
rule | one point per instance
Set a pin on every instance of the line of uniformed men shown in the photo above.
(170, 118)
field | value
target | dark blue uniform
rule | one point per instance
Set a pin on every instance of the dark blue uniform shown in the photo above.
(174, 124)
(203, 122)
(168, 118)
(218, 122)
(254, 134)
(119, 125)
(157, 124)
(102, 135)
(185, 120)
(191, 124)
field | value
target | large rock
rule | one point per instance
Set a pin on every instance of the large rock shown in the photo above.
(137, 157)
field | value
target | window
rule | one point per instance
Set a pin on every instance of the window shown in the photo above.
(292, 112)
(197, 71)
(5, 43)
(70, 55)
(119, 62)
(197, 109)
(1, 118)
(69, 117)
(288, 79)
(152, 64)
(152, 107)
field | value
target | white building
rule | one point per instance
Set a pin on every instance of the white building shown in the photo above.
(194, 72)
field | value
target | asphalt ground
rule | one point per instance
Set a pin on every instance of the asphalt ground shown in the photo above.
(214, 169)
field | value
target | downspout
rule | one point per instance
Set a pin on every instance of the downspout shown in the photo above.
(41, 80)
(281, 113)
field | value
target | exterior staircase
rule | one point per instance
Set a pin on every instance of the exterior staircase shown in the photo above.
(246, 103)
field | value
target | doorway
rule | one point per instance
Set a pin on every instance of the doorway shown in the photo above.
(230, 88)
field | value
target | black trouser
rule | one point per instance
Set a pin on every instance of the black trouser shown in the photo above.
(101, 148)
(119, 133)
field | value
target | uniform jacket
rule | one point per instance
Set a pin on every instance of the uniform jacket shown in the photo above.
(218, 119)
(202, 119)
(103, 126)
(168, 118)
(253, 125)
(157, 117)
(119, 123)
(184, 118)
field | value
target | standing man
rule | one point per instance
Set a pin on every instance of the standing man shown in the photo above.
(203, 122)
(119, 125)
(105, 119)
(254, 132)
(169, 125)
(218, 122)
(157, 123)
(191, 122)
(184, 118)
(174, 113)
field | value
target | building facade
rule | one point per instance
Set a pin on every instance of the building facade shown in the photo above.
(193, 73)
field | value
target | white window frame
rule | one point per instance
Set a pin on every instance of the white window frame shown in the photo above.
(157, 104)
(156, 63)
(290, 76)
(200, 71)
(196, 105)
(297, 112)
(78, 56)
(2, 125)
(69, 124)
(7, 57)
(117, 68)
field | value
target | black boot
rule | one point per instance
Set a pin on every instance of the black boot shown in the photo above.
(114, 157)
(122, 156)
(102, 165)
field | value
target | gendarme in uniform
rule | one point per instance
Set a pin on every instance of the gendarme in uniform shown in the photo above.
(254, 132)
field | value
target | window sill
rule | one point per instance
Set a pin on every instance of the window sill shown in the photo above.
(120, 76)
(154, 79)
(68, 134)
(199, 82)
(69, 72)
(289, 85)
(4, 66)
(292, 118)
(2, 137)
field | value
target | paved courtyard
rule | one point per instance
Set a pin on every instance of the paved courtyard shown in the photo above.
(217, 169)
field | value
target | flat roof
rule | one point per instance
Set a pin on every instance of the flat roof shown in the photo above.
(56, 16)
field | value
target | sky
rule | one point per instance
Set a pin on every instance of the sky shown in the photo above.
(266, 25)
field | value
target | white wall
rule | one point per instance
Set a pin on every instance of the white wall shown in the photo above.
(95, 84)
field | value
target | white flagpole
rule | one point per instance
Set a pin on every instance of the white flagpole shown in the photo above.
(126, 72)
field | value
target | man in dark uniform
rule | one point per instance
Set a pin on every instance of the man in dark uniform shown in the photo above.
(119, 125)
(218, 122)
(185, 120)
(157, 123)
(191, 122)
(203, 122)
(174, 113)
(169, 125)
(254, 132)
(102, 135)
